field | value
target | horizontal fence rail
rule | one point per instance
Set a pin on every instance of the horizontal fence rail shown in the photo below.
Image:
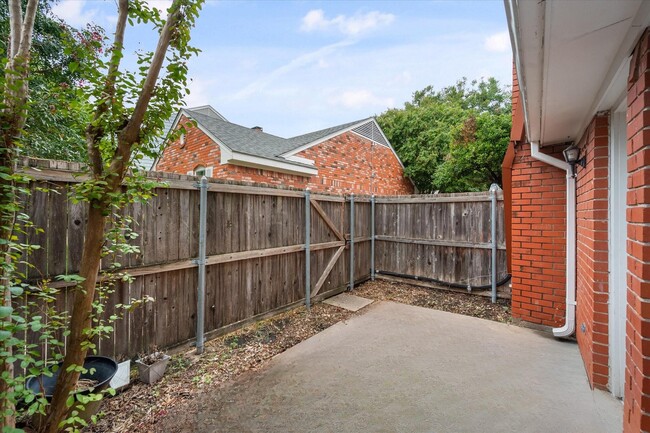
(264, 249)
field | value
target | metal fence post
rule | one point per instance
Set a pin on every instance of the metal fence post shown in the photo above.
(307, 251)
(493, 220)
(351, 242)
(372, 237)
(200, 304)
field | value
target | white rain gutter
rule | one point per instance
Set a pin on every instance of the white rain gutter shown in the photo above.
(570, 314)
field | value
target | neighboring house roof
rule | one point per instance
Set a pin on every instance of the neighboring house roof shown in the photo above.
(207, 110)
(242, 139)
(248, 146)
(310, 137)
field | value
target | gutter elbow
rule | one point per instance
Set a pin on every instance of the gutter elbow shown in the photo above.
(569, 325)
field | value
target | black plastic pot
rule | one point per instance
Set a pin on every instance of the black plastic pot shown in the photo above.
(99, 368)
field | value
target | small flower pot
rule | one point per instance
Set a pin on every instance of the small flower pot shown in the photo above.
(151, 373)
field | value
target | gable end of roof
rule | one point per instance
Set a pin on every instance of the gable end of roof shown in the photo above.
(366, 128)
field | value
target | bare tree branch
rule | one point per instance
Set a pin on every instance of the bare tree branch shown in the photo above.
(94, 133)
(130, 134)
(130, 131)
(28, 29)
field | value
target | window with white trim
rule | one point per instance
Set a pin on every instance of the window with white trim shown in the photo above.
(201, 170)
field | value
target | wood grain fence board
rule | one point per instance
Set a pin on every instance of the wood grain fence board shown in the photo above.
(184, 225)
(326, 219)
(135, 320)
(193, 218)
(213, 231)
(458, 244)
(187, 324)
(39, 217)
(150, 313)
(327, 270)
(148, 235)
(57, 229)
(121, 326)
(172, 231)
(162, 328)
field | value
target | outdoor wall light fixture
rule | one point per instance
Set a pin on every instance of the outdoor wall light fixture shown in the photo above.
(572, 156)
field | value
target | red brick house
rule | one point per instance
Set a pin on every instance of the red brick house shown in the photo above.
(579, 225)
(352, 158)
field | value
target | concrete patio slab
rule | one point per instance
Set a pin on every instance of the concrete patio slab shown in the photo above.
(399, 368)
(349, 302)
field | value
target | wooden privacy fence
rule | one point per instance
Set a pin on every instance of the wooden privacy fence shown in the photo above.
(443, 238)
(259, 260)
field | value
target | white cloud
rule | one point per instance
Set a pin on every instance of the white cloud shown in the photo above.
(315, 20)
(314, 57)
(362, 99)
(498, 42)
(73, 12)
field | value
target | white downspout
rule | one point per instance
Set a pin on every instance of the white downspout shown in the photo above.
(570, 315)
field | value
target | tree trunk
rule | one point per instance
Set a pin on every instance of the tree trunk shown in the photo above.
(81, 316)
(12, 117)
(7, 368)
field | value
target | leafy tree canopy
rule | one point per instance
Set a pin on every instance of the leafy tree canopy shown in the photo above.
(55, 123)
(454, 139)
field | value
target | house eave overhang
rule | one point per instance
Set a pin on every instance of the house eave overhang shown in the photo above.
(570, 58)
(246, 160)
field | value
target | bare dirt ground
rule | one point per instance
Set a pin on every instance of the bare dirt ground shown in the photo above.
(168, 405)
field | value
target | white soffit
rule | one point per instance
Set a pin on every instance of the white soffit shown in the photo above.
(570, 52)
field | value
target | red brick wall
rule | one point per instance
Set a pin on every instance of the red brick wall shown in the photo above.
(347, 163)
(538, 229)
(592, 279)
(636, 414)
(350, 163)
(197, 150)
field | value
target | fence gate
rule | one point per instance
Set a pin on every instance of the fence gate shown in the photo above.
(324, 227)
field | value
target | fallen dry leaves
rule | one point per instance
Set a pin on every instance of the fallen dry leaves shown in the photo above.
(164, 406)
(453, 302)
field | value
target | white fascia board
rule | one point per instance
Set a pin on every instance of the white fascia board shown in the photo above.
(188, 114)
(226, 155)
(171, 128)
(246, 160)
(320, 140)
(300, 159)
(176, 120)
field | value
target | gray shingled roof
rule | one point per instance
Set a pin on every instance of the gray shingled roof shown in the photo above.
(301, 140)
(257, 143)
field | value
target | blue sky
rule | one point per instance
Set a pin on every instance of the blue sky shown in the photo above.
(297, 66)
